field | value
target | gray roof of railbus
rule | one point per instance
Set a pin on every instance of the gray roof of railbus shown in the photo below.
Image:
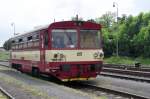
(34, 30)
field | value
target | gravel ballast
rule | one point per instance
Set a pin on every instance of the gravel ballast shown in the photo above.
(22, 86)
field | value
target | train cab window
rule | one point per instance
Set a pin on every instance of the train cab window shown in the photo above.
(90, 39)
(64, 38)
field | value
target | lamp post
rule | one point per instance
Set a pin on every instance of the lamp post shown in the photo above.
(116, 5)
(13, 25)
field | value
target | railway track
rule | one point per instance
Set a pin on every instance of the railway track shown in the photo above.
(4, 94)
(127, 72)
(114, 72)
(129, 77)
(4, 63)
(127, 67)
(116, 93)
(94, 88)
(124, 73)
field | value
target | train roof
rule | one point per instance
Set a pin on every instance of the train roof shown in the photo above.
(82, 24)
(63, 24)
(34, 30)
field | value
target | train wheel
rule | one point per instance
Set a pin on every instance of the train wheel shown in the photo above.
(35, 72)
(20, 69)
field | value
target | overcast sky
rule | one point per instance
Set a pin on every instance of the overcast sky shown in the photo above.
(27, 14)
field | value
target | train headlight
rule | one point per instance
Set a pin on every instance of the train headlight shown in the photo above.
(95, 55)
(59, 57)
(98, 55)
(55, 55)
(101, 55)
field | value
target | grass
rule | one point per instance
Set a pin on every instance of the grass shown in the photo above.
(2, 96)
(126, 60)
(37, 92)
(145, 61)
(23, 86)
(119, 60)
(4, 55)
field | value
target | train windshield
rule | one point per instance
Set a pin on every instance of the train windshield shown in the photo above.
(90, 39)
(62, 38)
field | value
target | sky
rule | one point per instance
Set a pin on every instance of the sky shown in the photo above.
(27, 14)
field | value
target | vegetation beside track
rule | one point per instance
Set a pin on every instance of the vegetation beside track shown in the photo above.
(2, 96)
(21, 85)
(4, 55)
(126, 60)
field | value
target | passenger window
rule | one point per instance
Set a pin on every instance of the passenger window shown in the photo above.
(37, 37)
(29, 38)
(13, 42)
(20, 40)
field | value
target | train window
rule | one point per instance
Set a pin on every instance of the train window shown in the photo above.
(37, 37)
(64, 38)
(90, 39)
(25, 45)
(36, 43)
(16, 46)
(20, 46)
(13, 47)
(29, 38)
(25, 39)
(20, 40)
(13, 42)
(46, 39)
(30, 44)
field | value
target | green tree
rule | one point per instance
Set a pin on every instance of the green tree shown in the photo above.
(142, 41)
(7, 45)
(106, 19)
(132, 33)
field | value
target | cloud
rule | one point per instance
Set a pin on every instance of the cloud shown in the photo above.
(30, 13)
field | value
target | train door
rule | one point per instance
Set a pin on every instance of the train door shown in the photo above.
(44, 46)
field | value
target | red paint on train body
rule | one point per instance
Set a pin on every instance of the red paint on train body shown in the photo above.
(35, 51)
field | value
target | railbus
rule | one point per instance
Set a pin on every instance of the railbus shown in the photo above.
(67, 50)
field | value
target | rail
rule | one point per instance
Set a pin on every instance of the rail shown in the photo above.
(103, 89)
(6, 93)
(117, 92)
(124, 66)
(127, 72)
(128, 77)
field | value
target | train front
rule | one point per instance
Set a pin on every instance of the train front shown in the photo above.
(76, 51)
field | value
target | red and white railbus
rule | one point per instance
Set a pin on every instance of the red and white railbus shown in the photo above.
(67, 50)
